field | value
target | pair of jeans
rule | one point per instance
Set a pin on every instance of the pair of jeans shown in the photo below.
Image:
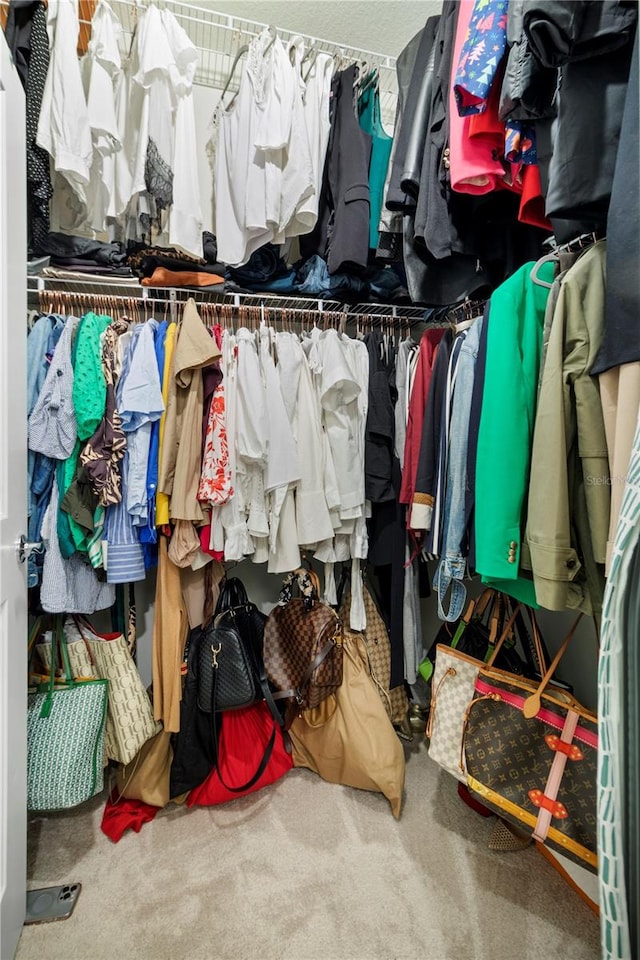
(40, 494)
(453, 565)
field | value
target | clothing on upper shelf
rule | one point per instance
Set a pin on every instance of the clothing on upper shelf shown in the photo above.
(264, 171)
(590, 46)
(102, 68)
(64, 129)
(342, 233)
(26, 33)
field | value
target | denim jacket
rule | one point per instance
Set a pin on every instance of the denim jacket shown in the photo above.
(453, 565)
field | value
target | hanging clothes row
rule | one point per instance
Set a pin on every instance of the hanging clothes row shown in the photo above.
(494, 98)
(512, 477)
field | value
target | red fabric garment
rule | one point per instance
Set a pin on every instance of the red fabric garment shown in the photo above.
(476, 143)
(419, 392)
(532, 202)
(243, 738)
(205, 535)
(125, 815)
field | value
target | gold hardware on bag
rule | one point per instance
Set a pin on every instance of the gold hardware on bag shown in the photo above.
(214, 655)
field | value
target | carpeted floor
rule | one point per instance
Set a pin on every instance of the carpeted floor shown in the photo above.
(305, 870)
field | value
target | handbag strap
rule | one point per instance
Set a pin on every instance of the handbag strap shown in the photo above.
(57, 640)
(533, 703)
(232, 594)
(503, 636)
(308, 584)
(266, 756)
(482, 602)
(541, 652)
(296, 692)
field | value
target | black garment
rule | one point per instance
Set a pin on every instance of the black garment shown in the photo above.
(390, 243)
(474, 430)
(194, 752)
(621, 339)
(65, 248)
(209, 246)
(528, 88)
(341, 236)
(147, 264)
(387, 537)
(591, 45)
(264, 264)
(434, 223)
(560, 31)
(26, 33)
(427, 471)
(416, 60)
(441, 259)
(380, 428)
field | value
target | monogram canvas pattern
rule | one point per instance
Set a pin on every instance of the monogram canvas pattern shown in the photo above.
(378, 647)
(293, 637)
(130, 720)
(453, 688)
(507, 753)
(65, 749)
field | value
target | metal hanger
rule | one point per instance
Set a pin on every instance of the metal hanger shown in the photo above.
(241, 52)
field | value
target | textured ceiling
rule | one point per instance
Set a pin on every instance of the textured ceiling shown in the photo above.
(381, 26)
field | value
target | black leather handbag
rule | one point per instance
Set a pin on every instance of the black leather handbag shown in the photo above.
(231, 673)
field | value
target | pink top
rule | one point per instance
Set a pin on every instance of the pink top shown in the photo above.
(472, 166)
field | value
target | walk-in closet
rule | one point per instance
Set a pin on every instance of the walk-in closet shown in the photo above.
(319, 479)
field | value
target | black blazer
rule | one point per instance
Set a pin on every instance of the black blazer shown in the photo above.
(341, 236)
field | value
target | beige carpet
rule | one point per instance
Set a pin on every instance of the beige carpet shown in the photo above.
(309, 871)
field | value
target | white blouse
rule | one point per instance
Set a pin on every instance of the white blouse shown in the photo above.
(63, 128)
(103, 66)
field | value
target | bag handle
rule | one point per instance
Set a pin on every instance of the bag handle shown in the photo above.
(232, 594)
(483, 601)
(533, 703)
(266, 756)
(308, 583)
(57, 640)
(479, 605)
(503, 636)
(538, 641)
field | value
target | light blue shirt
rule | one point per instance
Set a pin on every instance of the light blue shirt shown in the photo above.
(139, 403)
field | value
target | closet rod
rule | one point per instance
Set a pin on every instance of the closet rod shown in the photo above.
(96, 287)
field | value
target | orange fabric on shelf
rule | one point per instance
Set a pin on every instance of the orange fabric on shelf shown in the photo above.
(161, 277)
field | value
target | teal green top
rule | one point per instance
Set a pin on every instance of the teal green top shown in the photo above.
(505, 436)
(369, 112)
(89, 401)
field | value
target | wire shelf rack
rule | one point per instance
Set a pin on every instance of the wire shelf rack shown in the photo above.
(218, 37)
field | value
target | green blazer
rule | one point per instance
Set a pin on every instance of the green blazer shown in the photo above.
(514, 346)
